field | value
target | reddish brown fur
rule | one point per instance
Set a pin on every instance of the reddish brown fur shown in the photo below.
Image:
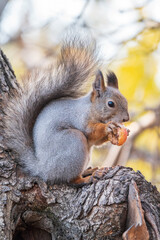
(97, 133)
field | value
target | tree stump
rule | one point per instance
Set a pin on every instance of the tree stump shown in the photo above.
(119, 205)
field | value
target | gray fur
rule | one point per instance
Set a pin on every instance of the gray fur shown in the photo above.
(46, 120)
(67, 149)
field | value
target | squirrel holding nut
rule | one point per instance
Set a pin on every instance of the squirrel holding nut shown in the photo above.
(52, 124)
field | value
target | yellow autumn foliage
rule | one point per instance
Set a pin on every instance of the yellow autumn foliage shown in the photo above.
(137, 74)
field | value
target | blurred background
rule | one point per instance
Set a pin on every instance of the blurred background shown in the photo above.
(128, 35)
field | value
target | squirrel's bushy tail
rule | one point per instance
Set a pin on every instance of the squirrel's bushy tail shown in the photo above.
(76, 64)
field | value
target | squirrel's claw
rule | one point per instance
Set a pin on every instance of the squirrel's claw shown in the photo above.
(89, 171)
(100, 173)
(94, 174)
(80, 181)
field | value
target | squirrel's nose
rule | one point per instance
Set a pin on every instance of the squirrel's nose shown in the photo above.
(126, 118)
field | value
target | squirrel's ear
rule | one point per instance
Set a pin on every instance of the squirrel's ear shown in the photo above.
(112, 80)
(98, 86)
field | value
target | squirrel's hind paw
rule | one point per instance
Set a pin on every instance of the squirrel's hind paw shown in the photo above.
(82, 181)
(89, 171)
(90, 175)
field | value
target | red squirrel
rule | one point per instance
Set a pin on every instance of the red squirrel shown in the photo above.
(52, 124)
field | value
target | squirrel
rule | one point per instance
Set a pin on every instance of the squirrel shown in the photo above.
(52, 124)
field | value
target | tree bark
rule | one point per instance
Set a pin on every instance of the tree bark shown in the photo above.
(119, 205)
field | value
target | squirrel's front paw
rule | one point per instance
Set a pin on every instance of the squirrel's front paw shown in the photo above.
(117, 133)
(112, 132)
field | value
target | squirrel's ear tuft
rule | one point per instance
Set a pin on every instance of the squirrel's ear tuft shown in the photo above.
(112, 80)
(98, 86)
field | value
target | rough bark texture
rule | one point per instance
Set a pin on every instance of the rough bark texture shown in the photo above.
(31, 209)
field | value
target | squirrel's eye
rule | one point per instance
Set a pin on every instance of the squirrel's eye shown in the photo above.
(111, 104)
